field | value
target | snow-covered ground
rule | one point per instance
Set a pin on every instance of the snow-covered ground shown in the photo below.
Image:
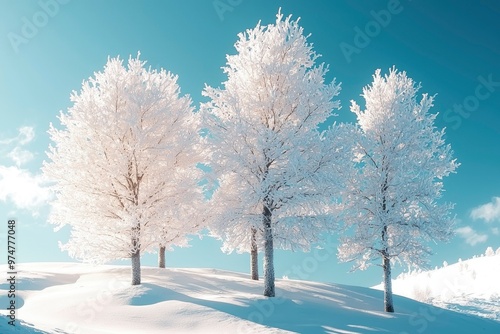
(77, 298)
(470, 286)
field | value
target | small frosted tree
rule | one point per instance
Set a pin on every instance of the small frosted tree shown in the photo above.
(125, 146)
(237, 226)
(183, 216)
(489, 252)
(390, 195)
(263, 130)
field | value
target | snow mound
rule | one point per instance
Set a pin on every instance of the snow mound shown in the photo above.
(470, 286)
(75, 298)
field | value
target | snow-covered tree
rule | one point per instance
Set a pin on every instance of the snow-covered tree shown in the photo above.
(238, 227)
(125, 152)
(390, 196)
(265, 144)
(186, 204)
(183, 216)
(489, 252)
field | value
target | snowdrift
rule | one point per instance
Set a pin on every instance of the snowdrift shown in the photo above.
(471, 286)
(77, 298)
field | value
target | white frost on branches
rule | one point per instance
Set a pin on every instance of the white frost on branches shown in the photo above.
(125, 154)
(262, 127)
(391, 196)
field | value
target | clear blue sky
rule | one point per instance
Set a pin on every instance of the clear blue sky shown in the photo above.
(451, 47)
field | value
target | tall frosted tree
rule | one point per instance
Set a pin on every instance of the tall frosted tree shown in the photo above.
(392, 190)
(262, 126)
(125, 149)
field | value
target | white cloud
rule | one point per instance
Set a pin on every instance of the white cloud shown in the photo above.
(26, 135)
(14, 145)
(20, 156)
(24, 189)
(18, 186)
(471, 236)
(490, 212)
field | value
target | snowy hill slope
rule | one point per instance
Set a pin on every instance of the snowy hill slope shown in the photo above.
(76, 298)
(470, 286)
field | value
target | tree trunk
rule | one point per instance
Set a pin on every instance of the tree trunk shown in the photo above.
(268, 254)
(161, 257)
(254, 265)
(386, 265)
(386, 260)
(136, 255)
(388, 304)
(136, 267)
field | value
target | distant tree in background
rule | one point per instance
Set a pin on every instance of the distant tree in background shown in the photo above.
(262, 127)
(184, 215)
(184, 210)
(126, 151)
(395, 179)
(237, 226)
